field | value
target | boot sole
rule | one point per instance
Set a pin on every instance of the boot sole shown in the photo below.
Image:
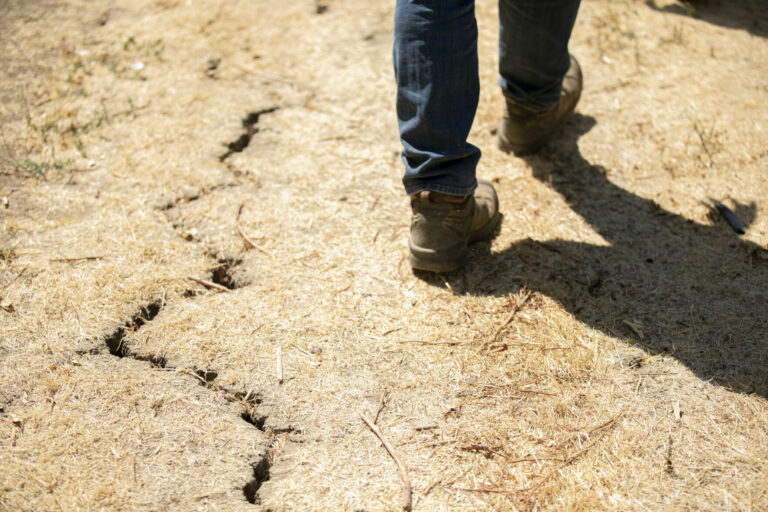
(441, 262)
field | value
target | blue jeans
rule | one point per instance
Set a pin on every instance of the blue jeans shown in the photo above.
(435, 58)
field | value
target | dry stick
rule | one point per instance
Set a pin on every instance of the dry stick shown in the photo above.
(603, 425)
(72, 260)
(511, 316)
(489, 491)
(381, 406)
(279, 355)
(187, 371)
(425, 342)
(247, 241)
(209, 284)
(432, 486)
(400, 465)
(534, 391)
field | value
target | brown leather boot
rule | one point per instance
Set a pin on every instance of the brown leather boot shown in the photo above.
(443, 226)
(523, 131)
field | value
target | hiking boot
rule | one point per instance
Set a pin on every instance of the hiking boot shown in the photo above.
(523, 131)
(443, 225)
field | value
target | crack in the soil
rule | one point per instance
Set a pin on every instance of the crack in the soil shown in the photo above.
(117, 347)
(260, 475)
(185, 199)
(222, 274)
(207, 376)
(222, 269)
(115, 341)
(249, 123)
(254, 418)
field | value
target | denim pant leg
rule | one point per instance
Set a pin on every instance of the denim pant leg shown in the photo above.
(533, 49)
(435, 58)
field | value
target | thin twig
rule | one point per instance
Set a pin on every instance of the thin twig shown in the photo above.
(604, 425)
(381, 405)
(279, 356)
(533, 391)
(187, 371)
(246, 240)
(398, 461)
(480, 448)
(208, 284)
(73, 260)
(483, 490)
(515, 309)
(425, 342)
(432, 486)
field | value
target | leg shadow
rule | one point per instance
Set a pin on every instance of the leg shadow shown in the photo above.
(696, 292)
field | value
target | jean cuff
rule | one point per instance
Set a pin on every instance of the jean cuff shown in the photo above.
(542, 103)
(438, 187)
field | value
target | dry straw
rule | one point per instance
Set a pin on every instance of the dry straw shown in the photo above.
(604, 352)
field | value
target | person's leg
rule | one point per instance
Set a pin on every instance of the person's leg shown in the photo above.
(533, 50)
(435, 58)
(540, 80)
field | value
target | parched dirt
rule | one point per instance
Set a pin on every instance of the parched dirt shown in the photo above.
(204, 284)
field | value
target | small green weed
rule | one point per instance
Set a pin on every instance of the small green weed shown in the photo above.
(708, 140)
(43, 130)
(40, 169)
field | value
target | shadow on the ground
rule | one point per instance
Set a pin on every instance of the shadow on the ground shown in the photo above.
(749, 15)
(693, 291)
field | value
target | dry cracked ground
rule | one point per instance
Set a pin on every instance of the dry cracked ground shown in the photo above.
(203, 276)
